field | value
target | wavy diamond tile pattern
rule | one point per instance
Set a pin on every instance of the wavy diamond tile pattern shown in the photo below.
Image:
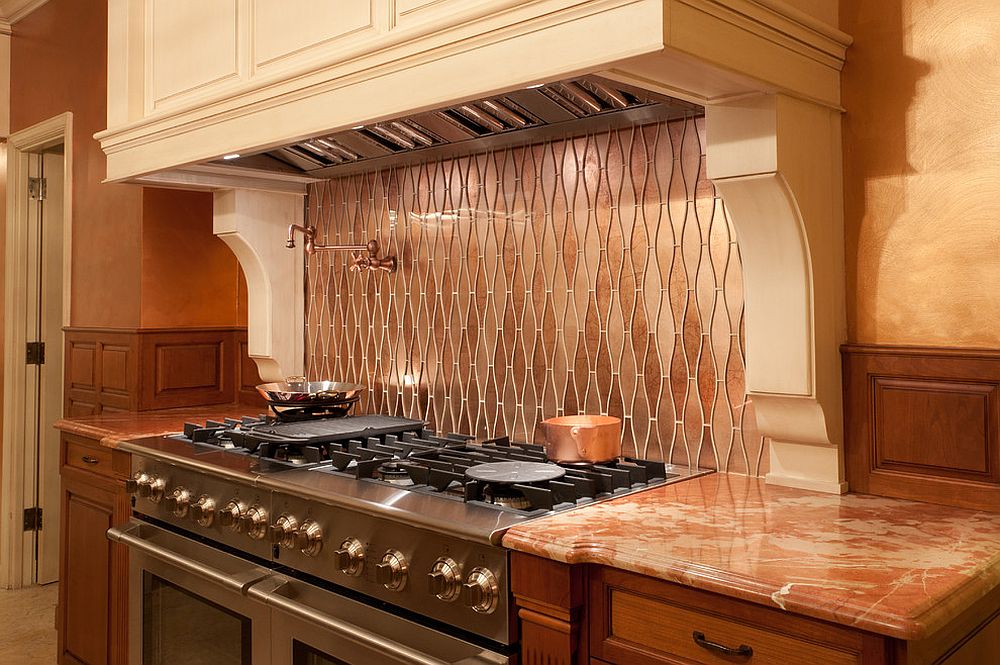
(595, 274)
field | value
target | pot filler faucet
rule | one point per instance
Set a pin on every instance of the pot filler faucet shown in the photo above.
(365, 256)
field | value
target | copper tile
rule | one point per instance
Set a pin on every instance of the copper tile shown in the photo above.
(598, 273)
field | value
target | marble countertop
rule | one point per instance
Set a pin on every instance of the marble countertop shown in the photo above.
(113, 428)
(889, 566)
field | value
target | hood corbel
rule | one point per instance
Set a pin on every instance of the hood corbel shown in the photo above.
(254, 225)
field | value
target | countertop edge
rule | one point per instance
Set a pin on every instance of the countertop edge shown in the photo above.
(924, 622)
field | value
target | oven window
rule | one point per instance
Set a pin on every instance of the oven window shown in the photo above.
(303, 654)
(180, 627)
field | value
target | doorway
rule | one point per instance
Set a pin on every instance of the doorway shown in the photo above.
(36, 309)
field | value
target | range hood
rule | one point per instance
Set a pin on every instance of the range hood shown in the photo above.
(578, 105)
(766, 73)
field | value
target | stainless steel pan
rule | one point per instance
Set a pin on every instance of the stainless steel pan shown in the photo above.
(309, 393)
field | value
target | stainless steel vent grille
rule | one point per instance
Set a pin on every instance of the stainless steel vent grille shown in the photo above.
(530, 114)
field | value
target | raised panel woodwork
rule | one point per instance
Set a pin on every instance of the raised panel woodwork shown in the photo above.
(102, 371)
(138, 370)
(82, 363)
(190, 45)
(920, 410)
(287, 27)
(114, 368)
(922, 423)
(186, 368)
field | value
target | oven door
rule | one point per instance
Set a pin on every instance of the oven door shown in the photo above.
(313, 626)
(187, 603)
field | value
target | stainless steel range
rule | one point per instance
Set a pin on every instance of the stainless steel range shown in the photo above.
(364, 539)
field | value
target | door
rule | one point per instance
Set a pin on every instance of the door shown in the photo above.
(44, 376)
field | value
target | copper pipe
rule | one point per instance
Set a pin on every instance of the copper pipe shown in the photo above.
(366, 258)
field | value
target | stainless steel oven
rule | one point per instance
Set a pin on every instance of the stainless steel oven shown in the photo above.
(193, 603)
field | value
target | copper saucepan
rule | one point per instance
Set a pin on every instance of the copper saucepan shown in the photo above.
(583, 439)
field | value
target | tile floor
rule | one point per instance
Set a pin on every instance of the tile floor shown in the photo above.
(27, 625)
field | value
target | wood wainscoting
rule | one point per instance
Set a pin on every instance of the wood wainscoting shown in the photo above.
(923, 423)
(142, 370)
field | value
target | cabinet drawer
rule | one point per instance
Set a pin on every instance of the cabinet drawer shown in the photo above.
(86, 455)
(670, 630)
(635, 619)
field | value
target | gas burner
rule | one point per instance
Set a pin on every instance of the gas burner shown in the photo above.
(394, 474)
(509, 473)
(504, 495)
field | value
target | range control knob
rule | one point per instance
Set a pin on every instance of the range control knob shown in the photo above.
(231, 515)
(350, 558)
(203, 510)
(152, 488)
(282, 532)
(132, 484)
(309, 538)
(178, 502)
(254, 522)
(391, 571)
(481, 591)
(445, 579)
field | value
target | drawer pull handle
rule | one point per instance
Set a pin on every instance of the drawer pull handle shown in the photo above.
(742, 651)
(87, 459)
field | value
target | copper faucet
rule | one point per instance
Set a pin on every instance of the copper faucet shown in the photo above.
(365, 258)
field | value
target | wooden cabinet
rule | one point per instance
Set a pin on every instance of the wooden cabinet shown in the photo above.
(637, 620)
(588, 614)
(93, 571)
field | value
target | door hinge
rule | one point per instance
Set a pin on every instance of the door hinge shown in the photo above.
(33, 519)
(35, 353)
(37, 188)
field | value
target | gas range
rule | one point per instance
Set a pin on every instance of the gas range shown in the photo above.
(376, 505)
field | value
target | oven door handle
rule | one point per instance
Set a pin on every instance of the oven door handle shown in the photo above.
(344, 629)
(129, 535)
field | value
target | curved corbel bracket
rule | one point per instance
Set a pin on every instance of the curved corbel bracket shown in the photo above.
(775, 161)
(253, 224)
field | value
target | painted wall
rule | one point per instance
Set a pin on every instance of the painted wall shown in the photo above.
(141, 257)
(189, 277)
(58, 63)
(922, 171)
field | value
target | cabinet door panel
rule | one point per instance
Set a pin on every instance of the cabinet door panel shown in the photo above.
(286, 27)
(86, 577)
(190, 44)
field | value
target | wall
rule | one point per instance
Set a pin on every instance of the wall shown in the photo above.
(189, 277)
(595, 274)
(58, 63)
(922, 172)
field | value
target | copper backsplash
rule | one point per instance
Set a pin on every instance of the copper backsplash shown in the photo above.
(594, 274)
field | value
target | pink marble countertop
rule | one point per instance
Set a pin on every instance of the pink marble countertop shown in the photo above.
(113, 428)
(889, 566)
